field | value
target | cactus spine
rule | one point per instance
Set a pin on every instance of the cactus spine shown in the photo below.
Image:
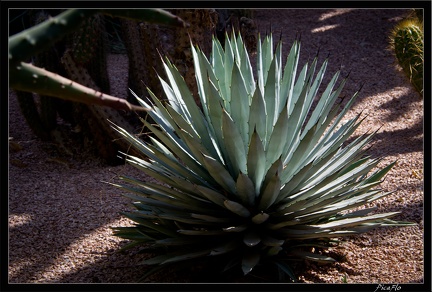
(406, 41)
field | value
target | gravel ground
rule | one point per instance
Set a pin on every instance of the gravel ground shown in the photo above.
(61, 210)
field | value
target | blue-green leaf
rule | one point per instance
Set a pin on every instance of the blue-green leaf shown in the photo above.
(278, 138)
(212, 195)
(348, 222)
(234, 144)
(289, 75)
(249, 261)
(260, 218)
(236, 228)
(222, 249)
(220, 174)
(256, 162)
(251, 238)
(237, 208)
(271, 241)
(314, 257)
(245, 189)
(240, 102)
(270, 193)
(258, 116)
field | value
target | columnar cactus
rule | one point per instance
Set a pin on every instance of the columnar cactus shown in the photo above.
(89, 50)
(26, 77)
(30, 112)
(96, 117)
(81, 33)
(41, 111)
(152, 45)
(142, 44)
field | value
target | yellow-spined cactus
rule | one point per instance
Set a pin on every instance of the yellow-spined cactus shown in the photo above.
(406, 41)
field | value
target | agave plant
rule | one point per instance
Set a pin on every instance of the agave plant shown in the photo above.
(259, 174)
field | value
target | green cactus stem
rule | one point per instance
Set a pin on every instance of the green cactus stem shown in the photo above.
(27, 77)
(142, 44)
(87, 39)
(407, 42)
(29, 42)
(39, 37)
(156, 16)
(48, 59)
(151, 43)
(48, 112)
(89, 50)
(40, 112)
(137, 75)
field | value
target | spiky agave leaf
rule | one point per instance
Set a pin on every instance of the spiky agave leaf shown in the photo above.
(257, 173)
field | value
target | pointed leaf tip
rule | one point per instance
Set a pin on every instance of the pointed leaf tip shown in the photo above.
(250, 260)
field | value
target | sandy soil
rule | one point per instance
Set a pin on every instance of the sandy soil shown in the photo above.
(61, 209)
